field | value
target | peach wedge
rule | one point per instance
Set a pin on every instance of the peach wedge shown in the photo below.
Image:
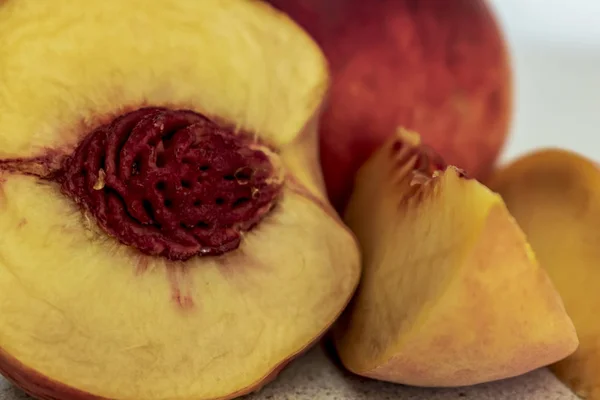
(555, 197)
(165, 229)
(451, 292)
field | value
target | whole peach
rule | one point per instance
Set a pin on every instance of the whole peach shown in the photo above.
(436, 66)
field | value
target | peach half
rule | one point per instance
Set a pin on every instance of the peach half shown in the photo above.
(165, 228)
(451, 292)
(555, 196)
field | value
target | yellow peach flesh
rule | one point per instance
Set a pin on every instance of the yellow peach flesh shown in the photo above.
(451, 292)
(79, 63)
(98, 316)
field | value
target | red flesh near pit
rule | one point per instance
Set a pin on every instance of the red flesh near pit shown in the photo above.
(171, 183)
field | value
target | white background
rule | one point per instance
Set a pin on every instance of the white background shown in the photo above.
(555, 46)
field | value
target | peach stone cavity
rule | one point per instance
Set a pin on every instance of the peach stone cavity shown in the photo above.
(172, 183)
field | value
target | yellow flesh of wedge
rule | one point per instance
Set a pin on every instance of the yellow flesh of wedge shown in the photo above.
(451, 292)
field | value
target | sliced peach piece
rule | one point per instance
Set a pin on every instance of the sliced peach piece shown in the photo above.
(555, 197)
(451, 292)
(165, 228)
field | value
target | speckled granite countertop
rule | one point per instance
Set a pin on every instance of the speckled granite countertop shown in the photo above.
(315, 377)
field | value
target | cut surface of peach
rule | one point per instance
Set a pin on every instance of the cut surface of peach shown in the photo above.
(105, 293)
(451, 292)
(555, 197)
